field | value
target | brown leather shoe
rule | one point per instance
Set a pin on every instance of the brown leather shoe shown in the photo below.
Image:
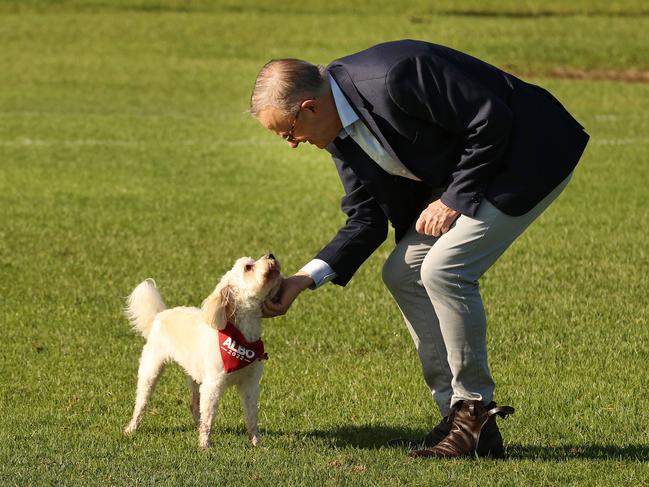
(437, 434)
(473, 433)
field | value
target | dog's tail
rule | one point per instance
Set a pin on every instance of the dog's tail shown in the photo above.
(143, 305)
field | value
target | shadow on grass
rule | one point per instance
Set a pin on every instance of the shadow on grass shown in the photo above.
(377, 436)
(578, 452)
(372, 437)
(364, 436)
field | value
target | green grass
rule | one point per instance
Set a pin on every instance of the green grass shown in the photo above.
(125, 153)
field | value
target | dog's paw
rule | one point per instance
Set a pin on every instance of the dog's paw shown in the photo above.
(203, 442)
(256, 441)
(130, 429)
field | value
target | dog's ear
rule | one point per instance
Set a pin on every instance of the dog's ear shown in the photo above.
(218, 306)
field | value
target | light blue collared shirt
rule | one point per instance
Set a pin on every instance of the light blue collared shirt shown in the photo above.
(345, 111)
(354, 127)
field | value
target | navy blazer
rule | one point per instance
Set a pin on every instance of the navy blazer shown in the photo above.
(456, 123)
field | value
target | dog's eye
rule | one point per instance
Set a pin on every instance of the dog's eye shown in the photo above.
(249, 267)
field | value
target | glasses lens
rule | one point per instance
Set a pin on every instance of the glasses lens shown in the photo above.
(289, 136)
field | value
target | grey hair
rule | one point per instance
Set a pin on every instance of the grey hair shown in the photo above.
(284, 83)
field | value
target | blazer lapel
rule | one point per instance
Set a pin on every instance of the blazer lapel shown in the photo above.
(359, 105)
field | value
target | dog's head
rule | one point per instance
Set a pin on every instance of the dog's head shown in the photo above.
(242, 289)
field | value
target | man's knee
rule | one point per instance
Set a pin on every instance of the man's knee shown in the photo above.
(443, 276)
(395, 272)
(389, 273)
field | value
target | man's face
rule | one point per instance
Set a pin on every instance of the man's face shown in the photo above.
(314, 123)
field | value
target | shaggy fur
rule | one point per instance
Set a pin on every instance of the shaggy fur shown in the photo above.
(189, 336)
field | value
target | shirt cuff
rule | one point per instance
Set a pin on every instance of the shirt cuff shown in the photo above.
(319, 271)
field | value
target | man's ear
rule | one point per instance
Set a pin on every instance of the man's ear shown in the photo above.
(216, 306)
(310, 104)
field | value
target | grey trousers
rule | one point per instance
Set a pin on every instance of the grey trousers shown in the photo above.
(435, 284)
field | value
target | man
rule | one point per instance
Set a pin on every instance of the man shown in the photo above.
(460, 157)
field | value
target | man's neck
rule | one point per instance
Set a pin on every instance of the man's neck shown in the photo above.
(332, 113)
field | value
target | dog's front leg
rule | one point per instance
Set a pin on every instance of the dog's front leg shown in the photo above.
(249, 394)
(210, 392)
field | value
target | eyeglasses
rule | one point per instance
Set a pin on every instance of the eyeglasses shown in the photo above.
(288, 137)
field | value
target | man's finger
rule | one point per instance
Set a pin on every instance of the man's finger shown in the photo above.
(271, 309)
(273, 306)
(430, 227)
(436, 231)
(442, 228)
(420, 225)
(265, 311)
(426, 228)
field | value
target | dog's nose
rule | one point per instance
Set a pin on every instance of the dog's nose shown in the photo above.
(270, 256)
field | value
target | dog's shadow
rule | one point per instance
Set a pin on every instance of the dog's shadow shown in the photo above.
(366, 437)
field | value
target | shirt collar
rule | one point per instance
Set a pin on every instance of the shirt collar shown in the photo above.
(345, 111)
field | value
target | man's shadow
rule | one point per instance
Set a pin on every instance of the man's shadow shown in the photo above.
(558, 453)
(377, 436)
(373, 437)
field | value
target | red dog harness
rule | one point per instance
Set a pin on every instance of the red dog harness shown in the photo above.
(236, 352)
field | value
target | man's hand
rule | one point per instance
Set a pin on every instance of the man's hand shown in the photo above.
(436, 219)
(288, 291)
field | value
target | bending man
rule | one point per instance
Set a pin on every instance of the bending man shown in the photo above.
(460, 157)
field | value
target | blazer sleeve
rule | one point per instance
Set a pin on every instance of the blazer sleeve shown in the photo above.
(438, 92)
(365, 229)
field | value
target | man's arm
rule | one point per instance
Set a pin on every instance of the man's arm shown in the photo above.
(319, 271)
(437, 92)
(364, 231)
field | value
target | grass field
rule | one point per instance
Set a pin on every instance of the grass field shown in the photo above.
(126, 152)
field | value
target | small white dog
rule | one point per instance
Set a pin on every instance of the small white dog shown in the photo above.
(218, 344)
